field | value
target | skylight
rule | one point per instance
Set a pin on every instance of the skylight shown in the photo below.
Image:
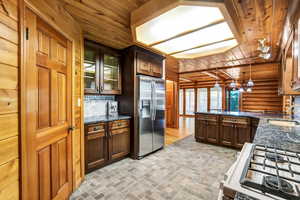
(208, 50)
(204, 36)
(176, 21)
(185, 29)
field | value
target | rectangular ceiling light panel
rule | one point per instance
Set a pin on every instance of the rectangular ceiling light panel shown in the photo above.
(176, 21)
(208, 50)
(201, 37)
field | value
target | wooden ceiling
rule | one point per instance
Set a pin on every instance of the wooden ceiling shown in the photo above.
(108, 22)
(105, 21)
(258, 19)
(268, 71)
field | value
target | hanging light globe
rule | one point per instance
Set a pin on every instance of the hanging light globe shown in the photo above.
(249, 89)
(217, 85)
(232, 84)
(241, 89)
(250, 83)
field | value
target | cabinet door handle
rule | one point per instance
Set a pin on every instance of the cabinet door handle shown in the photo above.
(97, 88)
(101, 88)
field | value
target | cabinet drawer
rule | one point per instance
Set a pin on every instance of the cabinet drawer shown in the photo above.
(207, 117)
(120, 131)
(236, 120)
(96, 135)
(95, 128)
(118, 124)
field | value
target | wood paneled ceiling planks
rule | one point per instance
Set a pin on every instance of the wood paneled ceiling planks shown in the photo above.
(105, 21)
(258, 19)
(108, 22)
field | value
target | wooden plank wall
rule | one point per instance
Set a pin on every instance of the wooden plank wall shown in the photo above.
(264, 97)
(9, 131)
(54, 10)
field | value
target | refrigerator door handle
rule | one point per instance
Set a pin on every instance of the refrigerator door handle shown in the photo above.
(151, 102)
(154, 100)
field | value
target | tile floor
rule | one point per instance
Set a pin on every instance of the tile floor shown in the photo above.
(185, 170)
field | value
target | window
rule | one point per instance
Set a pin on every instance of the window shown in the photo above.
(181, 102)
(233, 100)
(202, 100)
(190, 101)
(215, 98)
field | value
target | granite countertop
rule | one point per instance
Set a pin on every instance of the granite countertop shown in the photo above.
(101, 118)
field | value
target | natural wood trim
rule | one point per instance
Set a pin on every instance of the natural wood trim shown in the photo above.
(226, 67)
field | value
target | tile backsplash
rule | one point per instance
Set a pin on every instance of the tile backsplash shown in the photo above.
(96, 105)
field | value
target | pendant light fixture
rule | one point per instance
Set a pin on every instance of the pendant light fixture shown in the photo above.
(250, 82)
(232, 84)
(217, 85)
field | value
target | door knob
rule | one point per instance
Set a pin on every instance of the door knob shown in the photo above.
(71, 128)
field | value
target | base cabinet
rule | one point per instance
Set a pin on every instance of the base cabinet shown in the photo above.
(227, 134)
(106, 143)
(207, 129)
(223, 130)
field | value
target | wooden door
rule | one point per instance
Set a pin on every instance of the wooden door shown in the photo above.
(242, 135)
(96, 149)
(48, 91)
(172, 117)
(227, 134)
(213, 132)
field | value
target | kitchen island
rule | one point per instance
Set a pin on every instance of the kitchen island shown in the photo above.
(233, 129)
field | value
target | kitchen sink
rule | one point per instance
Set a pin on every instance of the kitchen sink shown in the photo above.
(286, 123)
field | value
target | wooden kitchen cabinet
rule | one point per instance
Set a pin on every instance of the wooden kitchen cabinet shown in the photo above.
(223, 130)
(96, 154)
(91, 70)
(102, 69)
(227, 134)
(207, 128)
(242, 135)
(150, 65)
(106, 143)
(119, 143)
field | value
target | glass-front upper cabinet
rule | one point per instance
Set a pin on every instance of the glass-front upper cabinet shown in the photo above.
(102, 73)
(91, 70)
(110, 74)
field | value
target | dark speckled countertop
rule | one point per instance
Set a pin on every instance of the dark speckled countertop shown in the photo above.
(287, 138)
(96, 119)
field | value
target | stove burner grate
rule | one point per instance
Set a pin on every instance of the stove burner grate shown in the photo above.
(275, 157)
(273, 182)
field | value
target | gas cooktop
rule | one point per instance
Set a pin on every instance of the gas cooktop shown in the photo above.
(272, 171)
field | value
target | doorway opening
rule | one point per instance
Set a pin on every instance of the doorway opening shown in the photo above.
(233, 97)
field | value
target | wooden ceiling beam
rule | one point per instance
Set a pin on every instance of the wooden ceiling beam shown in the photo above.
(226, 73)
(213, 75)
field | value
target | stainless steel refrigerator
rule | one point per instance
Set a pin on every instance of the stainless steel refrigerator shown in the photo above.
(151, 114)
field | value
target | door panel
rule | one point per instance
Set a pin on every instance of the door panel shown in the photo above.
(212, 132)
(227, 134)
(145, 115)
(48, 111)
(159, 114)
